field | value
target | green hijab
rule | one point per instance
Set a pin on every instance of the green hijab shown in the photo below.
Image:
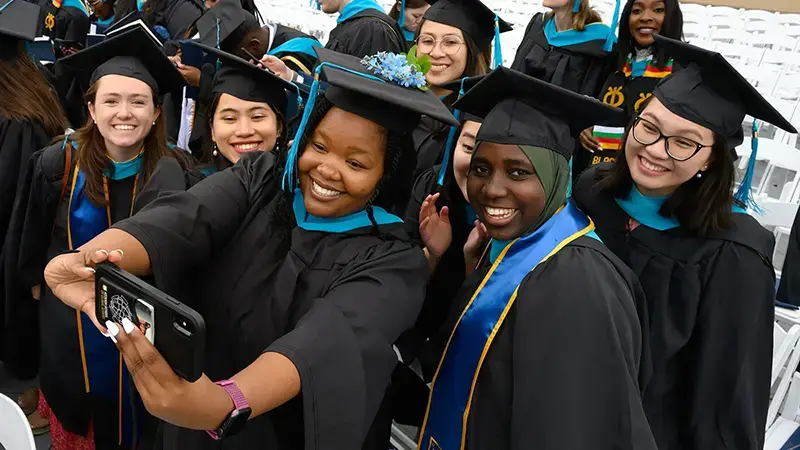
(553, 172)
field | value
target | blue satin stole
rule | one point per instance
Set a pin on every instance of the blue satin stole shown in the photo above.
(454, 383)
(342, 224)
(104, 373)
(355, 7)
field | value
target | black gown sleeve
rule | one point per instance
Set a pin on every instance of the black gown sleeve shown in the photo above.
(731, 353)
(419, 192)
(371, 36)
(576, 348)
(18, 141)
(789, 287)
(182, 230)
(342, 347)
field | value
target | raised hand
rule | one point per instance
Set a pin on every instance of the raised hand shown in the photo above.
(276, 66)
(434, 227)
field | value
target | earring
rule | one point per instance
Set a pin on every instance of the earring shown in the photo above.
(699, 174)
(154, 123)
(94, 122)
(216, 150)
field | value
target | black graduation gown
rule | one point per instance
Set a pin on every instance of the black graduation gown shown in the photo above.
(710, 310)
(581, 68)
(789, 287)
(284, 34)
(562, 370)
(366, 33)
(68, 22)
(177, 16)
(430, 137)
(333, 304)
(18, 141)
(445, 282)
(40, 218)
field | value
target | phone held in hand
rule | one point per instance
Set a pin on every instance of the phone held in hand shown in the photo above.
(176, 330)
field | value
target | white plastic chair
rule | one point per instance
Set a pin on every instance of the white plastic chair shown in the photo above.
(15, 431)
(722, 11)
(723, 22)
(693, 9)
(731, 36)
(740, 53)
(757, 15)
(785, 19)
(785, 357)
(695, 31)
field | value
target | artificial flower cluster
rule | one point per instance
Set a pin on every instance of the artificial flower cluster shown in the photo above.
(402, 69)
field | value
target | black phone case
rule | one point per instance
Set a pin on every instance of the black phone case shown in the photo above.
(182, 351)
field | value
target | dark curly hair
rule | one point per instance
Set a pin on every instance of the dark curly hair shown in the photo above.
(671, 28)
(391, 193)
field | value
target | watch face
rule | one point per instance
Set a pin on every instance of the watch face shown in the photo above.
(236, 421)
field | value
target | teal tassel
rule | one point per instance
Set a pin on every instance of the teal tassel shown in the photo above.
(577, 6)
(315, 4)
(612, 33)
(219, 63)
(745, 194)
(498, 49)
(451, 136)
(290, 171)
(402, 20)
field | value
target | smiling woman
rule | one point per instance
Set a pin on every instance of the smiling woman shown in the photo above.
(512, 325)
(74, 190)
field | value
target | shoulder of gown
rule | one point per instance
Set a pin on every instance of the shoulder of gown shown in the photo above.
(577, 346)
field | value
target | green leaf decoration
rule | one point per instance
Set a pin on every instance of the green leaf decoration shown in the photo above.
(424, 64)
(411, 56)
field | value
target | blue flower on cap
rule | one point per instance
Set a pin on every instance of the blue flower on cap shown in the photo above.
(402, 69)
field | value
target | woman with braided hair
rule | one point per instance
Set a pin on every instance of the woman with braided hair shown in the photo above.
(304, 278)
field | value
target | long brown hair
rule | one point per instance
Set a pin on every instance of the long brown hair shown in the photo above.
(24, 91)
(93, 157)
(586, 15)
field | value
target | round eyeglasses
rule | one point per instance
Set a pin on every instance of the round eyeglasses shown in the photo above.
(449, 44)
(678, 148)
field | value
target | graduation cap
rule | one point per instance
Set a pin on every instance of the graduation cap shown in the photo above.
(132, 54)
(711, 93)
(474, 19)
(247, 81)
(461, 86)
(353, 87)
(19, 19)
(523, 110)
(221, 26)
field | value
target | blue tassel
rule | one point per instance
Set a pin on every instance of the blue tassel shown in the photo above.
(402, 21)
(577, 6)
(219, 63)
(6, 5)
(612, 33)
(451, 136)
(315, 4)
(745, 194)
(290, 171)
(498, 49)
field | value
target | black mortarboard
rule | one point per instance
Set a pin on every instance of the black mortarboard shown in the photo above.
(247, 81)
(711, 93)
(471, 17)
(132, 54)
(355, 89)
(388, 104)
(19, 19)
(522, 110)
(222, 26)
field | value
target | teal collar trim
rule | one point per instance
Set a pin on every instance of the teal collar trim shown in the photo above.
(338, 224)
(125, 169)
(593, 32)
(355, 7)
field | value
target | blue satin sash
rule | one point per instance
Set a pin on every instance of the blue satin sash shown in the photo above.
(104, 373)
(338, 224)
(453, 385)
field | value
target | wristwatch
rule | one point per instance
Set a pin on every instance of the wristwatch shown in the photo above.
(237, 419)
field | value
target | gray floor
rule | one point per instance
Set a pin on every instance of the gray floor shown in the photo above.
(13, 388)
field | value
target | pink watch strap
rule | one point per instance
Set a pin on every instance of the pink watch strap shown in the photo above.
(239, 401)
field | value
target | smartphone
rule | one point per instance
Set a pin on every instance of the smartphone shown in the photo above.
(176, 330)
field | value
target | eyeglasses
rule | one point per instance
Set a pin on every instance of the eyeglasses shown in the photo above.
(678, 148)
(449, 44)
